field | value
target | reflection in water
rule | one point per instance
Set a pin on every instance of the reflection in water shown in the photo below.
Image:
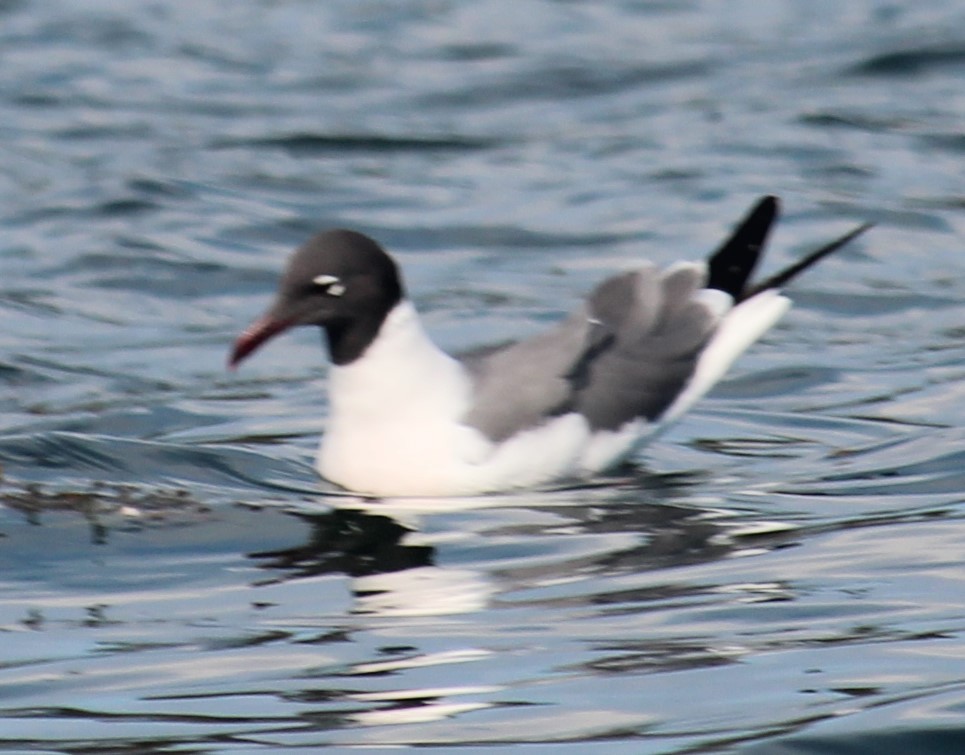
(348, 542)
(427, 591)
(618, 585)
(390, 576)
(593, 530)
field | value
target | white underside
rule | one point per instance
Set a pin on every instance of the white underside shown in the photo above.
(395, 421)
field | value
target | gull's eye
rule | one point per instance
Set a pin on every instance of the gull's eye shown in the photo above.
(330, 284)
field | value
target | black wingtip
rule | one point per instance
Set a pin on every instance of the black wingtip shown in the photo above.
(731, 266)
(778, 280)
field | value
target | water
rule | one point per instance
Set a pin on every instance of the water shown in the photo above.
(782, 573)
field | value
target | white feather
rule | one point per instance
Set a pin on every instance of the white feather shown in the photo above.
(608, 448)
(395, 426)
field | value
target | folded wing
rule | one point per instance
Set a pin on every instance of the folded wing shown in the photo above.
(645, 345)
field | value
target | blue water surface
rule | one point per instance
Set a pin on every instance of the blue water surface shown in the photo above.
(782, 573)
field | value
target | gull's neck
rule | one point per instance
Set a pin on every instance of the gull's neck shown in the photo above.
(400, 365)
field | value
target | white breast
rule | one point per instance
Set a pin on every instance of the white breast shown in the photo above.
(395, 425)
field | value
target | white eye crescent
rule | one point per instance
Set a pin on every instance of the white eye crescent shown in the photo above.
(331, 283)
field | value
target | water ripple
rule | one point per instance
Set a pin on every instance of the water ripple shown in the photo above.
(781, 572)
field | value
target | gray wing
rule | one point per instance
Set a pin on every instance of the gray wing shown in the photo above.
(627, 353)
(520, 384)
(660, 325)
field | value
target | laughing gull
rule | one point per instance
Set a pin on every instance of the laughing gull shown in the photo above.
(408, 419)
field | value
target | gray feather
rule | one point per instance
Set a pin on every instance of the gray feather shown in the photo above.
(626, 353)
(655, 349)
(520, 384)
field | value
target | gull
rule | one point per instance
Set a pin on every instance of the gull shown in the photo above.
(408, 419)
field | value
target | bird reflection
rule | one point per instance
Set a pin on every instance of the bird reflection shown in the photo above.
(389, 576)
(636, 524)
(343, 541)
